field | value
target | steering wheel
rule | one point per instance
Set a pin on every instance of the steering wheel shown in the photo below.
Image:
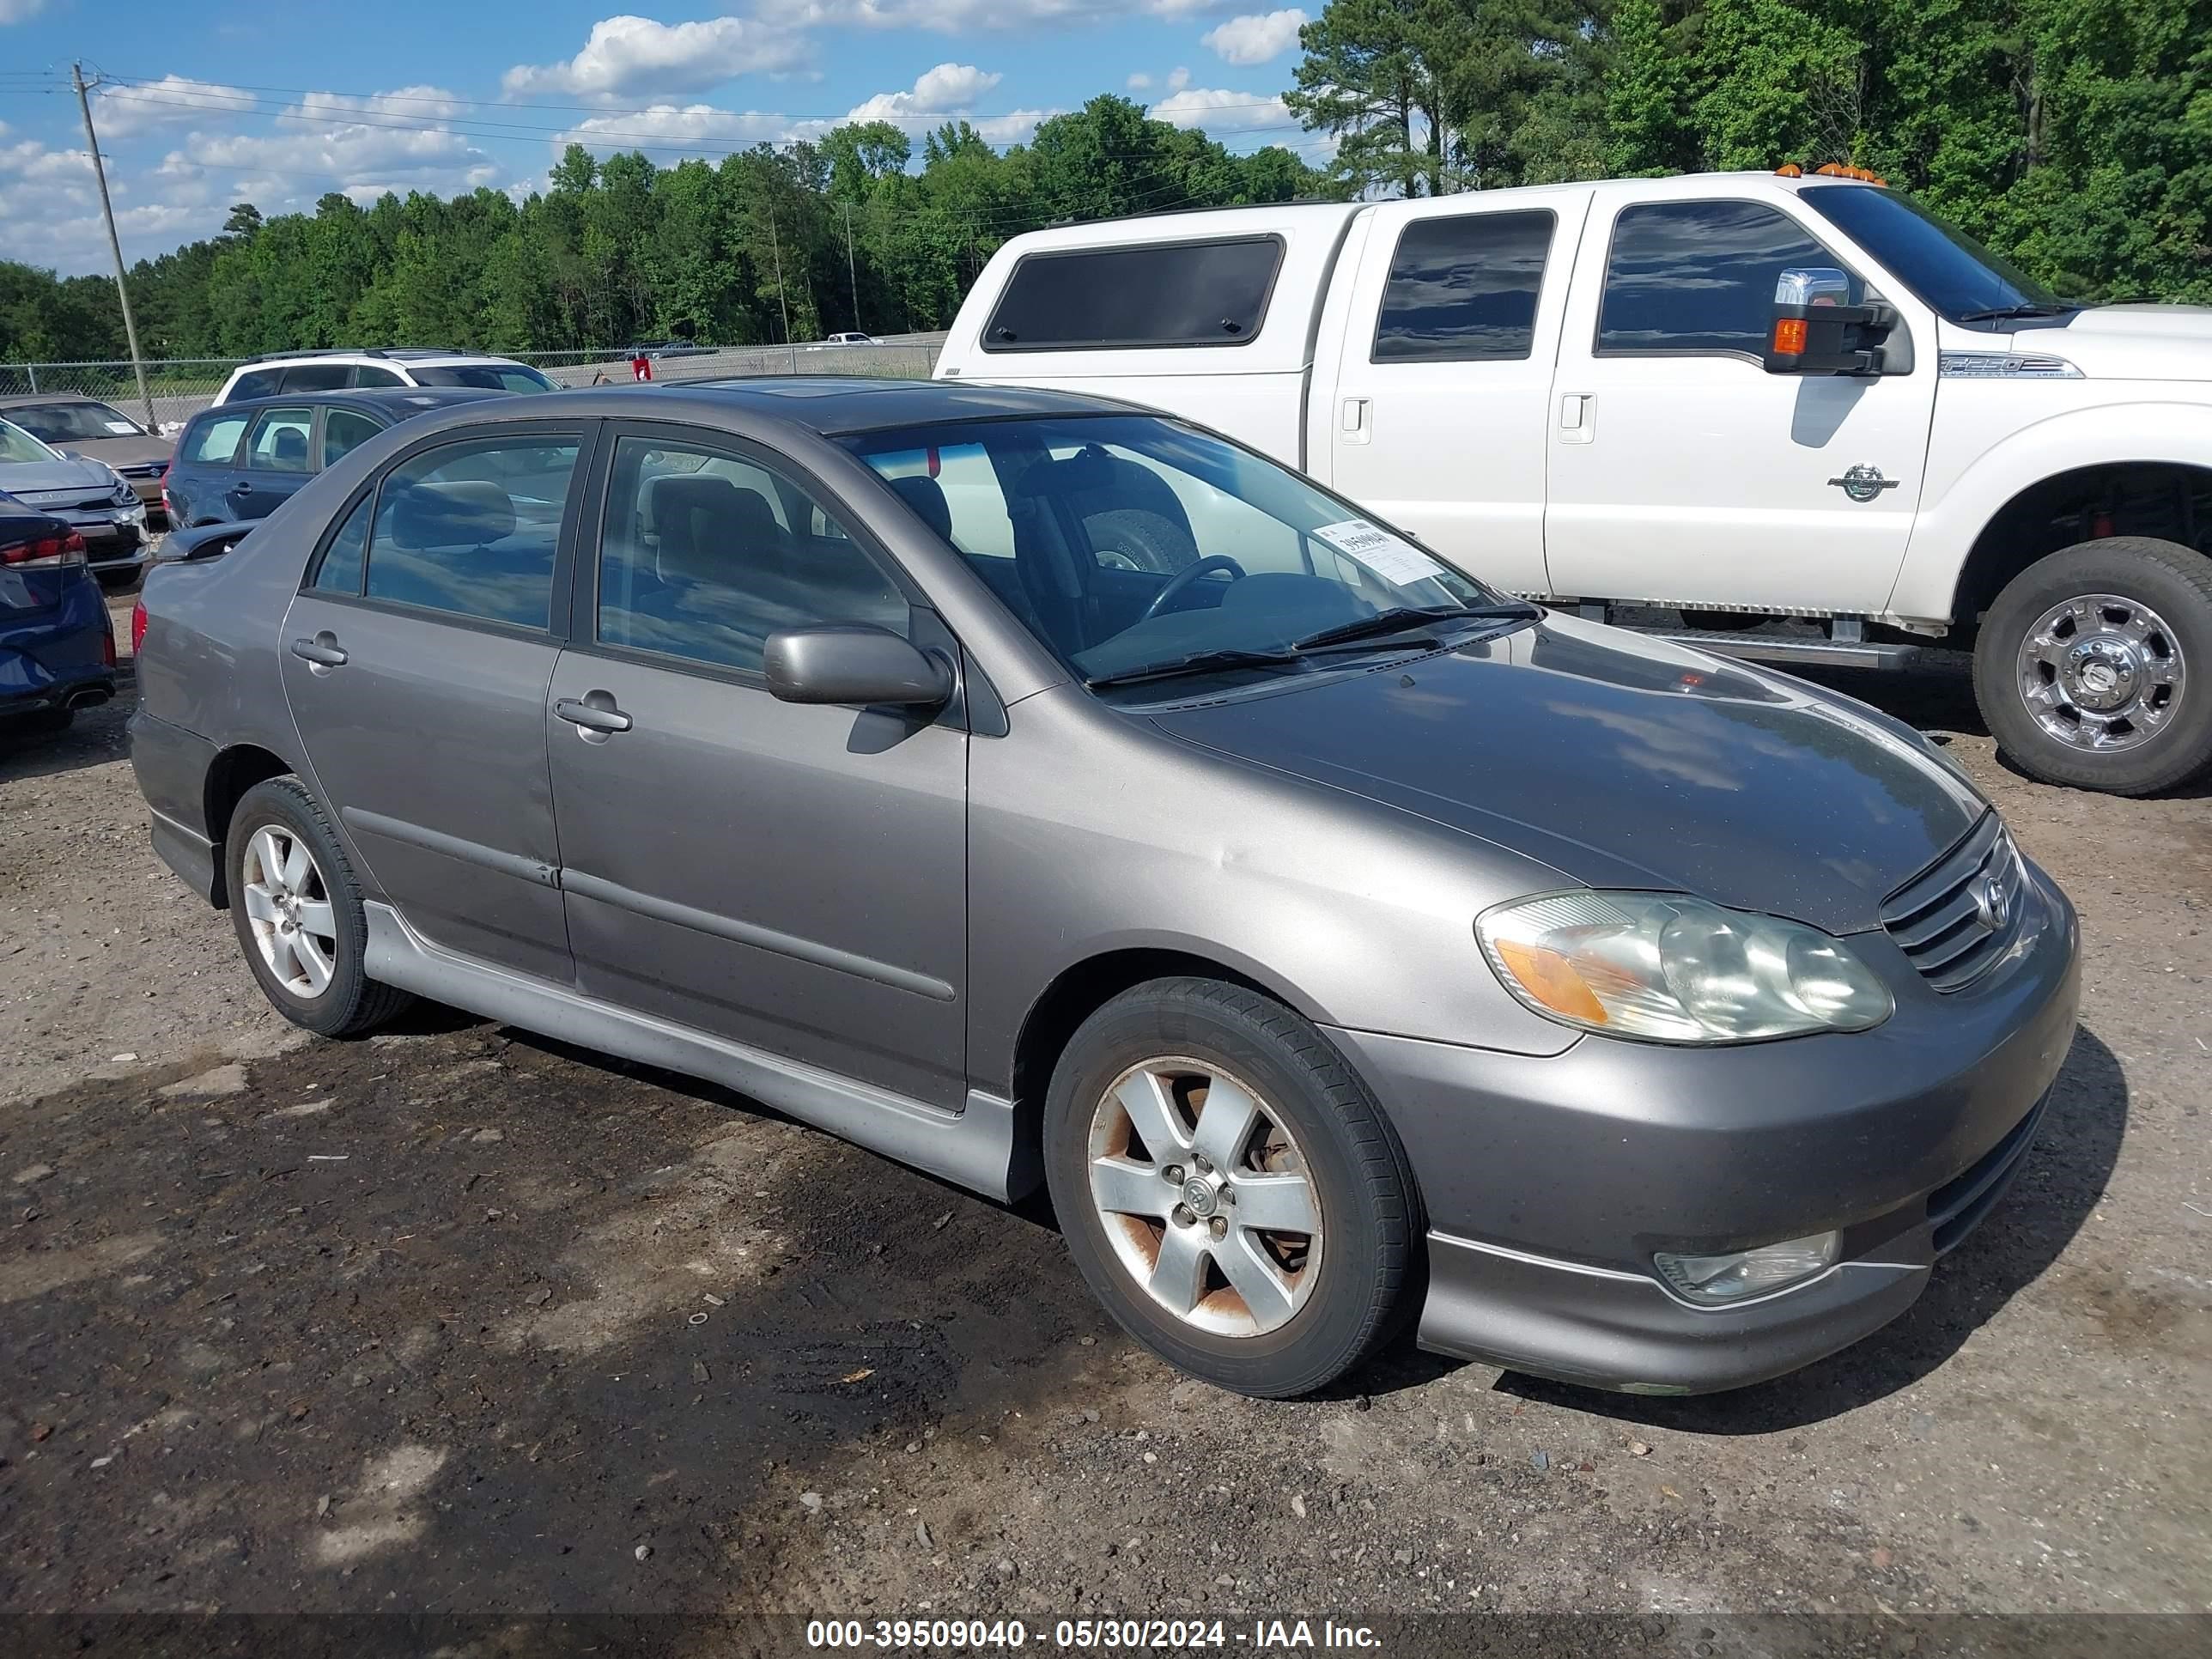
(1179, 583)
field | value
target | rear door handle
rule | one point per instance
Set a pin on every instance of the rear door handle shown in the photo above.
(243, 487)
(594, 716)
(321, 652)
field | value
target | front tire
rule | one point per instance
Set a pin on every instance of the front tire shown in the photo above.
(1229, 1188)
(2084, 667)
(297, 909)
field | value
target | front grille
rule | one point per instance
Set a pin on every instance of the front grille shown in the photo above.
(150, 470)
(1954, 921)
(1957, 1208)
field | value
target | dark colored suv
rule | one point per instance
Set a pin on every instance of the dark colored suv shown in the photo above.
(240, 461)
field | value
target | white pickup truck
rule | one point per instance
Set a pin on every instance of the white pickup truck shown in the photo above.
(1743, 396)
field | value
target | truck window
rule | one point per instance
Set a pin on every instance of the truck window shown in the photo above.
(1698, 277)
(1464, 289)
(1160, 293)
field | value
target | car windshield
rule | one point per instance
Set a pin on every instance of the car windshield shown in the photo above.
(1948, 269)
(61, 423)
(488, 377)
(19, 446)
(1147, 554)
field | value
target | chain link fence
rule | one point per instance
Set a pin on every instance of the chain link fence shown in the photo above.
(180, 387)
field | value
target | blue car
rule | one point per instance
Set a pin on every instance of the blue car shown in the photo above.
(238, 462)
(56, 645)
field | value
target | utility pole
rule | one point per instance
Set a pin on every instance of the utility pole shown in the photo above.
(775, 247)
(851, 272)
(114, 243)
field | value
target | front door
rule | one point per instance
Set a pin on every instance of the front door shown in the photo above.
(1679, 471)
(790, 877)
(416, 662)
(1437, 422)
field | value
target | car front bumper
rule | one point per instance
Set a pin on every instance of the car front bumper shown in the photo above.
(1550, 1183)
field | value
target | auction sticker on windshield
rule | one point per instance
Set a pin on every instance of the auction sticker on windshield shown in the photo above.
(1391, 557)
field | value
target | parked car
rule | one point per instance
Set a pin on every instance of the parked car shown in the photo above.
(95, 501)
(293, 372)
(659, 348)
(56, 645)
(1334, 936)
(850, 337)
(98, 431)
(1578, 392)
(239, 461)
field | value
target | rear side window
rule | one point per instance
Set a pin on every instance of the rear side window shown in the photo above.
(213, 442)
(1179, 293)
(317, 377)
(1464, 289)
(279, 443)
(261, 383)
(1699, 277)
(470, 528)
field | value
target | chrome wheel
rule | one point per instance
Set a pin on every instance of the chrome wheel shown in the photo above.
(288, 909)
(1205, 1197)
(2101, 672)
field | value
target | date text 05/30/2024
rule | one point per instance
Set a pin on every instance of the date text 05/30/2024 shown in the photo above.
(1105, 1635)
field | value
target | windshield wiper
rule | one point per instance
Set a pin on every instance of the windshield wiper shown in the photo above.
(2000, 314)
(1399, 618)
(1200, 662)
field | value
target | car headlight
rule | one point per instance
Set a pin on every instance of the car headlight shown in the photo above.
(1667, 968)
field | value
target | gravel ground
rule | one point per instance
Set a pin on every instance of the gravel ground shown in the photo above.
(458, 1321)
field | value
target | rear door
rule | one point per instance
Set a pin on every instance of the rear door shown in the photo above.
(416, 661)
(790, 877)
(1437, 422)
(276, 459)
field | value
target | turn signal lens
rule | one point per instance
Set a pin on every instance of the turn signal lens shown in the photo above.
(1789, 336)
(1717, 1280)
(1667, 968)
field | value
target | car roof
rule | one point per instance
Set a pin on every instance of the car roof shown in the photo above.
(431, 355)
(832, 405)
(398, 401)
(28, 399)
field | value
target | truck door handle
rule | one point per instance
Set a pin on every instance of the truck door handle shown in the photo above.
(322, 653)
(601, 716)
(1577, 417)
(1351, 421)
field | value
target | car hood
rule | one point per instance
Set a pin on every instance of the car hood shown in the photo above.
(123, 451)
(25, 480)
(2129, 341)
(1624, 762)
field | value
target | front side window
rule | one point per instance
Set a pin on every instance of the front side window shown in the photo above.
(1182, 293)
(1464, 289)
(61, 423)
(1136, 549)
(471, 528)
(214, 441)
(703, 555)
(279, 443)
(1698, 277)
(343, 430)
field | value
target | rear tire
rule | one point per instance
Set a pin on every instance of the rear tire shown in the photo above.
(297, 909)
(2093, 668)
(1274, 1310)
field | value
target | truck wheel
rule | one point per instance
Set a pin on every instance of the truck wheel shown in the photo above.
(1228, 1186)
(2084, 664)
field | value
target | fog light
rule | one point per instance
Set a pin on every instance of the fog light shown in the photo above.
(1716, 1280)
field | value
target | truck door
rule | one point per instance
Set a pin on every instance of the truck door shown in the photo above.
(1443, 374)
(1679, 471)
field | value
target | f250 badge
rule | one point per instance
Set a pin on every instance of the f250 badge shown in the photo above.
(1863, 482)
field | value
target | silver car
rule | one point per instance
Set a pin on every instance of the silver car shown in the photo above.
(99, 503)
(1034, 789)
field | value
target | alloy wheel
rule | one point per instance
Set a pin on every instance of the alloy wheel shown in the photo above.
(2101, 672)
(289, 907)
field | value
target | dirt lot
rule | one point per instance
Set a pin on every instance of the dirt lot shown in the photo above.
(457, 1321)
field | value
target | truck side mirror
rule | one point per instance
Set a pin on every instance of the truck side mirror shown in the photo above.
(1817, 331)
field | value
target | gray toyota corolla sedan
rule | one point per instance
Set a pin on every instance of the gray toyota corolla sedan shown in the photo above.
(1031, 789)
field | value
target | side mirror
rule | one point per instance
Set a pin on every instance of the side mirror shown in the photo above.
(207, 541)
(864, 666)
(1817, 331)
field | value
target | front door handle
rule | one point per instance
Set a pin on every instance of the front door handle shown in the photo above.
(322, 652)
(594, 711)
(243, 487)
(1578, 418)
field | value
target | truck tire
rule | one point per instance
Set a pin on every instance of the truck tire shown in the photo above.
(2093, 668)
(1135, 538)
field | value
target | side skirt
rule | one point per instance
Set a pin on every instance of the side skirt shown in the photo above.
(979, 1147)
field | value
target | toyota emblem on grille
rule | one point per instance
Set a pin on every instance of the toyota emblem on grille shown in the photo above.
(1992, 904)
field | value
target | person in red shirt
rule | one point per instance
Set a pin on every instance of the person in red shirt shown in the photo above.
(641, 367)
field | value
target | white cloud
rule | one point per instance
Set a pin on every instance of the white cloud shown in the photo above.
(1220, 111)
(16, 11)
(1257, 37)
(1139, 82)
(968, 16)
(636, 57)
(1178, 78)
(671, 126)
(948, 89)
(121, 110)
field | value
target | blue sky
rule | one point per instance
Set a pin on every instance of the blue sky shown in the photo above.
(276, 104)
